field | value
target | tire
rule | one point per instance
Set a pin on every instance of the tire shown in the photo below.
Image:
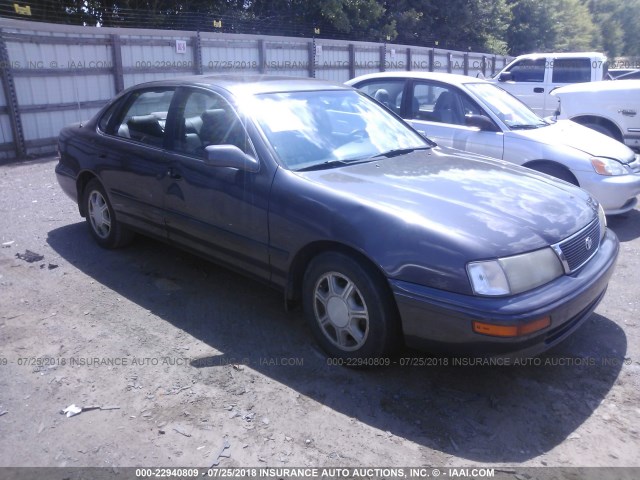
(556, 171)
(101, 218)
(350, 308)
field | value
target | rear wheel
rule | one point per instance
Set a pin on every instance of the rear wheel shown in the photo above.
(349, 308)
(101, 218)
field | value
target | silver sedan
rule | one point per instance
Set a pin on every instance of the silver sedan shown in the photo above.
(476, 116)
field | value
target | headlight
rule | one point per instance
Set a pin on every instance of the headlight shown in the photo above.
(511, 275)
(603, 221)
(607, 166)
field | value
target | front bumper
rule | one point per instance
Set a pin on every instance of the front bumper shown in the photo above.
(617, 194)
(440, 321)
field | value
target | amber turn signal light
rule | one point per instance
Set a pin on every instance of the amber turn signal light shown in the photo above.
(511, 330)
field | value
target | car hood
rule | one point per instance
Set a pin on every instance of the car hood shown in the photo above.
(484, 207)
(565, 133)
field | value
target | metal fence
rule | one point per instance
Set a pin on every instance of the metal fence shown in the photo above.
(54, 75)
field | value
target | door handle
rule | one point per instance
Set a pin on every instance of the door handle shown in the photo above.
(173, 173)
(538, 90)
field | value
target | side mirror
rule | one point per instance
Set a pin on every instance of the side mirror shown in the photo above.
(230, 156)
(480, 121)
(505, 77)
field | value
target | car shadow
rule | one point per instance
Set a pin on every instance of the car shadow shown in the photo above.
(626, 226)
(481, 413)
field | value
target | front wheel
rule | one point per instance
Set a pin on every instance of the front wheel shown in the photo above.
(349, 307)
(556, 171)
(101, 218)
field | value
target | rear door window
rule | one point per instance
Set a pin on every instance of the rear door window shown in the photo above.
(144, 119)
(571, 70)
(387, 91)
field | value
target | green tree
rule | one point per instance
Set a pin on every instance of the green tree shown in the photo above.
(551, 25)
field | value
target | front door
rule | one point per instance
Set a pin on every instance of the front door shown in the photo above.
(221, 212)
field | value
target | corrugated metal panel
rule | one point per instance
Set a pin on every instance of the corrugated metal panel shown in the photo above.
(38, 125)
(288, 59)
(420, 60)
(339, 75)
(63, 89)
(163, 57)
(367, 60)
(333, 64)
(395, 59)
(3, 100)
(457, 63)
(475, 64)
(440, 61)
(6, 135)
(131, 79)
(230, 57)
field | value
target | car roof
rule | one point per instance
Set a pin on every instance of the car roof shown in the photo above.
(451, 78)
(248, 83)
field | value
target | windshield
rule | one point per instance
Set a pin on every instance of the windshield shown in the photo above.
(506, 107)
(323, 128)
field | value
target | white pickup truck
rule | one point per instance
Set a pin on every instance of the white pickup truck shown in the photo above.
(533, 77)
(610, 107)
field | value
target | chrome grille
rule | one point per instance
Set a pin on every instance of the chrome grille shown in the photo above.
(578, 249)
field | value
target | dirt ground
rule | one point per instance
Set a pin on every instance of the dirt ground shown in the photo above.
(193, 356)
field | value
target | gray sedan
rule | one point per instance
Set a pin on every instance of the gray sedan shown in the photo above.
(322, 193)
(479, 117)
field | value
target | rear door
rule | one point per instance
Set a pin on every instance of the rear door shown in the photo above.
(133, 159)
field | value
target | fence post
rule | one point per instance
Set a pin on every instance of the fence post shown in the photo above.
(449, 62)
(12, 99)
(312, 58)
(409, 59)
(118, 74)
(262, 56)
(197, 53)
(466, 64)
(352, 61)
(432, 59)
(383, 57)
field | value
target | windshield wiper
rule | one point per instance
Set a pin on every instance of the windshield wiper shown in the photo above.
(323, 165)
(399, 151)
(527, 126)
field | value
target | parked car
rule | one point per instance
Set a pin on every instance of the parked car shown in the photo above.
(632, 75)
(611, 108)
(533, 77)
(477, 116)
(321, 192)
(621, 73)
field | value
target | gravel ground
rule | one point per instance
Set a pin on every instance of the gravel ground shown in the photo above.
(185, 357)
